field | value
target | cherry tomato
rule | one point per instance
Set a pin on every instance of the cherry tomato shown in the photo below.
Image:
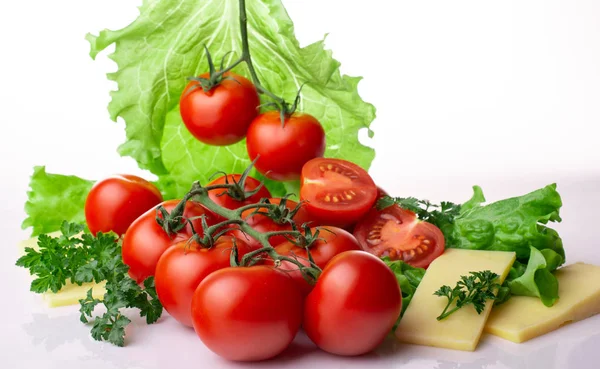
(115, 202)
(399, 234)
(381, 193)
(145, 241)
(354, 304)
(247, 313)
(222, 115)
(284, 149)
(183, 266)
(337, 192)
(334, 241)
(262, 223)
(222, 198)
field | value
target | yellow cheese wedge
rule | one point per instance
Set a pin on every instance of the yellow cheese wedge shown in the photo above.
(522, 318)
(462, 329)
(70, 294)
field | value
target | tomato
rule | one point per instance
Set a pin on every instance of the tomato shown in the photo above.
(334, 241)
(381, 193)
(399, 234)
(115, 202)
(145, 240)
(183, 266)
(282, 150)
(337, 192)
(222, 115)
(262, 223)
(222, 198)
(247, 313)
(354, 304)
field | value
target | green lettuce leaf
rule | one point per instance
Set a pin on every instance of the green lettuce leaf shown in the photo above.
(513, 224)
(408, 278)
(52, 198)
(537, 279)
(165, 44)
(517, 224)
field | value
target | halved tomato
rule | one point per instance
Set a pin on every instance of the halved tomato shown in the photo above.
(337, 192)
(400, 235)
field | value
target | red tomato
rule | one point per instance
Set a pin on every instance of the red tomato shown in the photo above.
(335, 241)
(145, 241)
(183, 266)
(337, 192)
(247, 314)
(399, 234)
(221, 197)
(263, 223)
(353, 306)
(222, 115)
(284, 149)
(381, 193)
(115, 202)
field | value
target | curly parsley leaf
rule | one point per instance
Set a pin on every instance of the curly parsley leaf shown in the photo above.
(438, 215)
(83, 258)
(474, 289)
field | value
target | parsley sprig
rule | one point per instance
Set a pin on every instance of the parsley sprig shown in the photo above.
(82, 258)
(474, 289)
(438, 215)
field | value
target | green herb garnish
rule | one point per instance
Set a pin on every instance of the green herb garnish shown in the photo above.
(438, 215)
(83, 258)
(474, 289)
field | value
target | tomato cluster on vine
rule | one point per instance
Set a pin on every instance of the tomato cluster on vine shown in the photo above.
(233, 262)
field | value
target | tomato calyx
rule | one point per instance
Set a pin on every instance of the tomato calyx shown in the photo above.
(215, 76)
(236, 188)
(285, 109)
(278, 213)
(200, 194)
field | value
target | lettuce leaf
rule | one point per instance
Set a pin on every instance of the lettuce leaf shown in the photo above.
(165, 44)
(537, 279)
(52, 198)
(513, 224)
(517, 224)
(408, 278)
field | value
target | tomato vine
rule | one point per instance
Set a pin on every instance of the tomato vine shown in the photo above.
(174, 220)
(286, 109)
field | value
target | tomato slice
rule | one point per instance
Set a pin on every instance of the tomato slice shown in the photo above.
(337, 192)
(400, 235)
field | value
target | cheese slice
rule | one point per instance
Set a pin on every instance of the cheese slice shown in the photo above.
(462, 329)
(522, 318)
(70, 294)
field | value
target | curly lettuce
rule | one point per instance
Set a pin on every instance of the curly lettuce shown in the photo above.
(165, 45)
(52, 198)
(518, 224)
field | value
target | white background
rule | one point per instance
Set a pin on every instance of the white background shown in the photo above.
(505, 94)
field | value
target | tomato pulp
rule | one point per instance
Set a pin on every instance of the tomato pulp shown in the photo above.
(399, 234)
(337, 192)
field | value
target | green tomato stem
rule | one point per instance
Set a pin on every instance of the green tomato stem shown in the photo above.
(200, 195)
